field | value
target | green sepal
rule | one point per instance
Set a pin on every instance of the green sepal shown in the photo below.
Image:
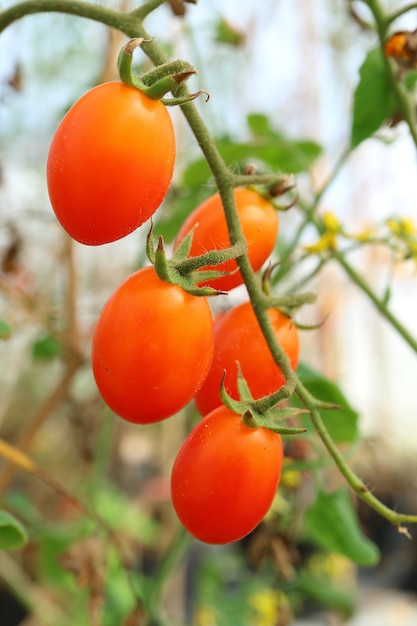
(236, 406)
(255, 420)
(183, 270)
(247, 407)
(242, 386)
(159, 81)
(189, 97)
(168, 271)
(289, 305)
(184, 247)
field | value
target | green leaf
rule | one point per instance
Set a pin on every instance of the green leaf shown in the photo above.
(5, 329)
(259, 125)
(46, 347)
(374, 101)
(410, 80)
(341, 423)
(322, 591)
(227, 34)
(332, 524)
(277, 153)
(12, 533)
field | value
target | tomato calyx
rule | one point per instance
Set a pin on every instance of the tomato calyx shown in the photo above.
(186, 271)
(156, 83)
(265, 412)
(288, 304)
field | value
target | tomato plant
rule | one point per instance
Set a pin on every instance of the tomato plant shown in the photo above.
(238, 338)
(110, 163)
(152, 348)
(225, 477)
(259, 221)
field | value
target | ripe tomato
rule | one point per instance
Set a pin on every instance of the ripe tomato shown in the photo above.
(110, 163)
(225, 477)
(152, 348)
(238, 337)
(259, 221)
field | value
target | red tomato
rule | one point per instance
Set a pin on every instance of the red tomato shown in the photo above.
(259, 221)
(225, 477)
(152, 348)
(110, 163)
(238, 337)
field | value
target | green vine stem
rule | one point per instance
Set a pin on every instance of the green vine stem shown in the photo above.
(352, 479)
(110, 17)
(380, 304)
(402, 11)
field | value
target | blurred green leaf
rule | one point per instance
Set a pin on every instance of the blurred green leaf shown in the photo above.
(410, 80)
(46, 347)
(5, 329)
(110, 501)
(374, 102)
(12, 533)
(331, 522)
(260, 125)
(341, 423)
(321, 590)
(226, 33)
(267, 148)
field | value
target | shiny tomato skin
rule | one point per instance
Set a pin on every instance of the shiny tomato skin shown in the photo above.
(225, 477)
(259, 221)
(152, 348)
(110, 163)
(238, 338)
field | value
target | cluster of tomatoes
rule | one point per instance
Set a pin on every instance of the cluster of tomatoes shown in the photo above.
(156, 346)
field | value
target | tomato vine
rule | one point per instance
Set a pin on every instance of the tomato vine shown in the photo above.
(182, 270)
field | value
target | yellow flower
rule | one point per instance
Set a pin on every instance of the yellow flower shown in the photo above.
(334, 566)
(327, 241)
(331, 222)
(291, 479)
(268, 604)
(402, 227)
(364, 235)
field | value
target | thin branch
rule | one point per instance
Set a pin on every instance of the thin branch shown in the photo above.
(352, 479)
(380, 304)
(389, 19)
(124, 22)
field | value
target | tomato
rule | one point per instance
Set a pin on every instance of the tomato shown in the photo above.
(238, 337)
(259, 221)
(225, 477)
(152, 348)
(110, 163)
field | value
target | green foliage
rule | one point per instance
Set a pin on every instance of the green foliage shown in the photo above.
(225, 33)
(323, 591)
(12, 533)
(341, 423)
(45, 347)
(374, 102)
(266, 148)
(332, 524)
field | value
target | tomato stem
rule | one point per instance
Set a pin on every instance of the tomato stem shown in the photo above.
(156, 83)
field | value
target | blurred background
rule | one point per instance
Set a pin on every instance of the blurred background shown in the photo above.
(297, 64)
